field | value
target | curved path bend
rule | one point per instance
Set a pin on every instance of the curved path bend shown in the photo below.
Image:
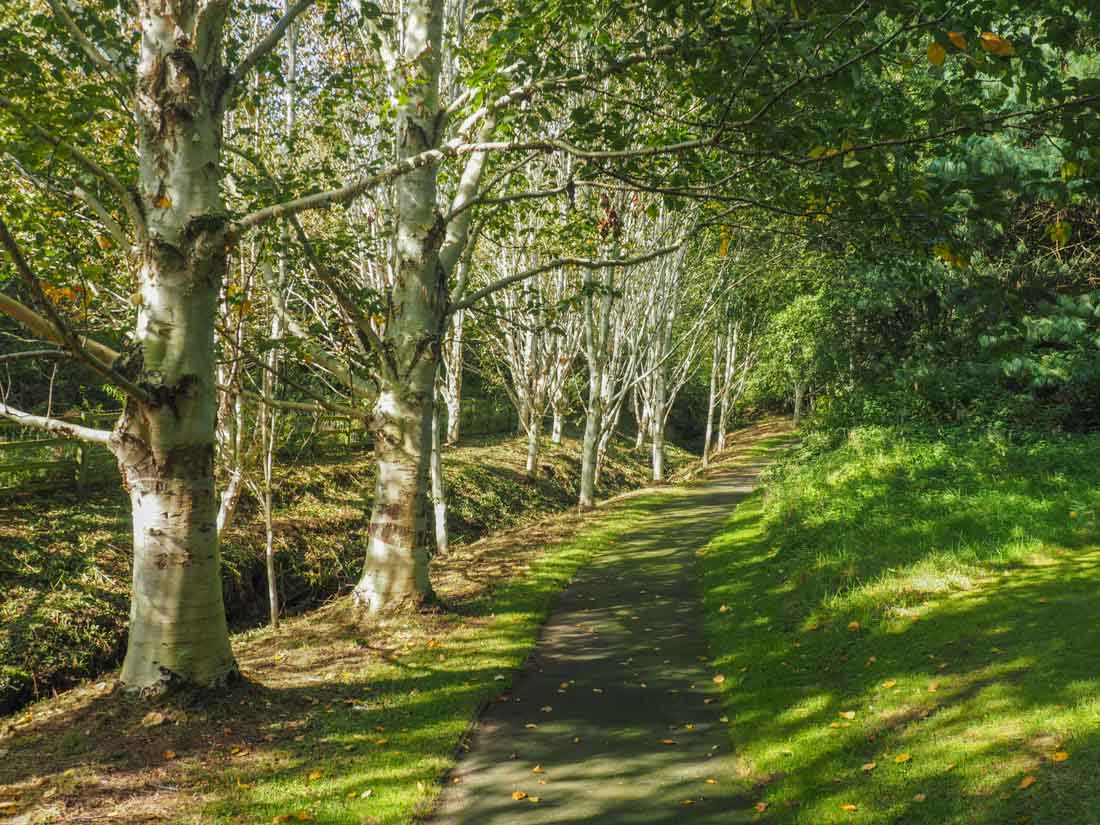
(616, 718)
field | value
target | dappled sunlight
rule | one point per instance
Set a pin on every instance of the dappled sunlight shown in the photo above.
(962, 645)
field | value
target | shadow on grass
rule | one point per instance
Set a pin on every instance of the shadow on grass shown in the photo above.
(940, 595)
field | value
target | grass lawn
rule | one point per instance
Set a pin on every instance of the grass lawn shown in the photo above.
(909, 628)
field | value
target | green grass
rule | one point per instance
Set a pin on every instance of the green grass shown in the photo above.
(393, 727)
(65, 570)
(944, 591)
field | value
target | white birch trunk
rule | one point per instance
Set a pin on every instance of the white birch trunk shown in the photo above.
(178, 633)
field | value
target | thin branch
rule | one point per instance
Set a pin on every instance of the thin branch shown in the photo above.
(44, 329)
(263, 48)
(69, 339)
(55, 426)
(38, 354)
(97, 57)
(583, 263)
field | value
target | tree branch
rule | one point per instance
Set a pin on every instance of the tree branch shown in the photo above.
(56, 426)
(262, 49)
(583, 263)
(97, 57)
(69, 339)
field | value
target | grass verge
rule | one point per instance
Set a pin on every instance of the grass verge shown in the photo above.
(909, 627)
(338, 723)
(65, 573)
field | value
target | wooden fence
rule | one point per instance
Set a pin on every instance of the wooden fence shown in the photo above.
(31, 462)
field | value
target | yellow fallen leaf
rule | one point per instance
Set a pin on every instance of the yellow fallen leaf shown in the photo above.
(530, 726)
(1026, 783)
(687, 802)
(712, 781)
(761, 807)
(890, 683)
(1060, 756)
(848, 714)
(933, 687)
(719, 679)
(958, 39)
(919, 797)
(853, 626)
(937, 54)
(534, 799)
(994, 44)
(951, 766)
(869, 766)
(537, 769)
(315, 775)
(902, 757)
(849, 807)
(519, 795)
(724, 609)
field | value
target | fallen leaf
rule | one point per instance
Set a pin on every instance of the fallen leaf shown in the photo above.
(153, 718)
(919, 797)
(951, 766)
(1026, 783)
(890, 683)
(687, 802)
(719, 679)
(315, 775)
(724, 609)
(537, 769)
(1060, 756)
(902, 757)
(761, 807)
(533, 799)
(723, 719)
(849, 807)
(169, 755)
(869, 766)
(712, 781)
(530, 726)
(933, 687)
(853, 626)
(519, 795)
(163, 202)
(546, 708)
(668, 741)
(366, 794)
(848, 714)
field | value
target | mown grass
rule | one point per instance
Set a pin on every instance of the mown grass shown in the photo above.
(909, 628)
(65, 573)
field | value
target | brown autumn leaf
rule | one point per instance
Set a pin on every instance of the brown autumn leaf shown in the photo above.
(1026, 783)
(169, 755)
(853, 626)
(668, 741)
(761, 807)
(994, 44)
(163, 202)
(937, 54)
(919, 797)
(958, 39)
(153, 718)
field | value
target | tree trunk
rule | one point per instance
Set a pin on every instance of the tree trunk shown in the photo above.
(165, 446)
(710, 399)
(799, 392)
(658, 419)
(534, 433)
(556, 428)
(439, 491)
(395, 572)
(453, 378)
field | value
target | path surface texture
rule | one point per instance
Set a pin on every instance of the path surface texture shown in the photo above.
(616, 718)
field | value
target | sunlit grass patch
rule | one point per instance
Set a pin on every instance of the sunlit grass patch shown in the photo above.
(913, 625)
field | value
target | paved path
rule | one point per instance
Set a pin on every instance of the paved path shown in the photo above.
(617, 710)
